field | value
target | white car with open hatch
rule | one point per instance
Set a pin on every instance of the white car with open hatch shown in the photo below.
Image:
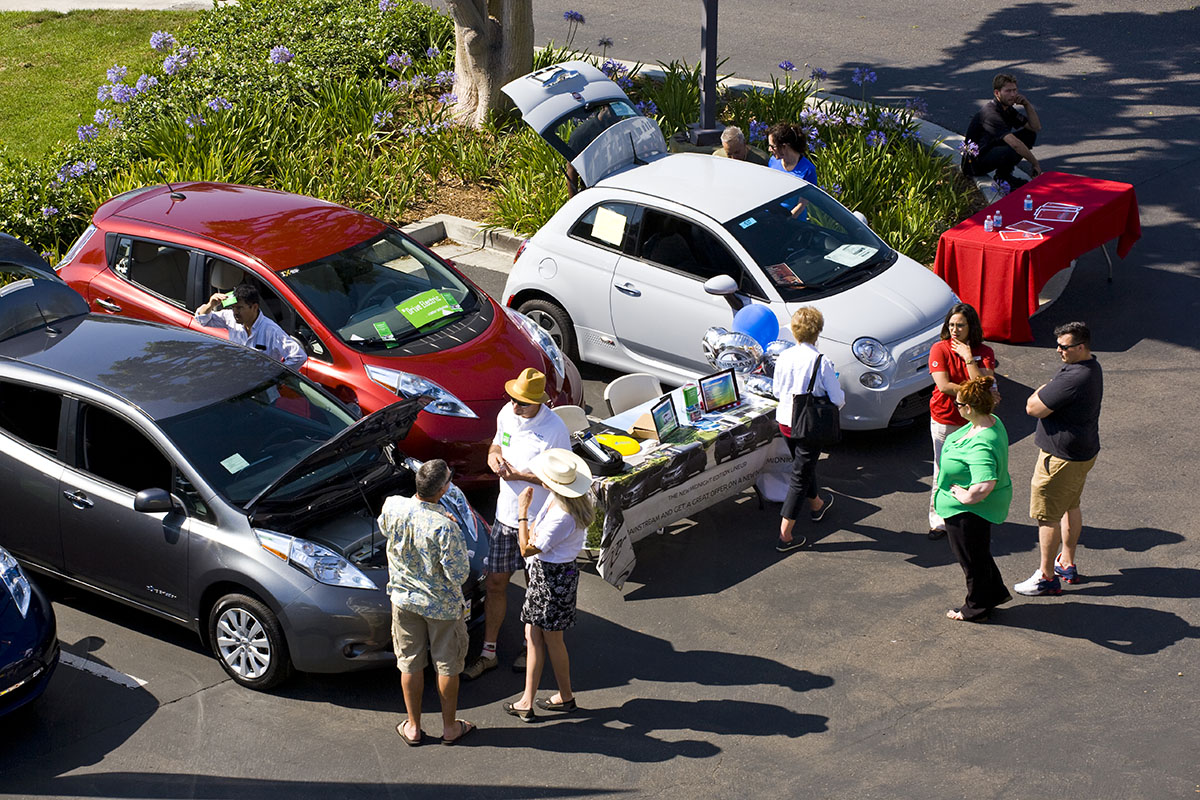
(617, 275)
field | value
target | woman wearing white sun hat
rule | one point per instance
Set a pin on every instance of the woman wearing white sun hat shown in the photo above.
(550, 544)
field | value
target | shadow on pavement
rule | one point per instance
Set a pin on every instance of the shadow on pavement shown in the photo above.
(1133, 631)
(1172, 582)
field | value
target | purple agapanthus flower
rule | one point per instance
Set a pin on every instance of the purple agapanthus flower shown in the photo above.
(380, 117)
(787, 66)
(104, 116)
(219, 104)
(968, 148)
(144, 82)
(612, 68)
(1003, 187)
(172, 64)
(386, 5)
(573, 16)
(856, 119)
(87, 132)
(396, 84)
(103, 92)
(116, 73)
(625, 82)
(889, 117)
(605, 42)
(79, 168)
(758, 130)
(432, 52)
(876, 139)
(120, 93)
(834, 189)
(818, 74)
(444, 78)
(863, 76)
(49, 211)
(188, 53)
(448, 98)
(917, 106)
(280, 55)
(647, 108)
(162, 41)
(194, 121)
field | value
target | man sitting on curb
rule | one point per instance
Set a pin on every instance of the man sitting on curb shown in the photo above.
(733, 145)
(1003, 135)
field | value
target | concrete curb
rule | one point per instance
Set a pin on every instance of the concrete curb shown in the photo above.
(941, 140)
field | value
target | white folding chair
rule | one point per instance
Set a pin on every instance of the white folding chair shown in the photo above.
(630, 390)
(574, 416)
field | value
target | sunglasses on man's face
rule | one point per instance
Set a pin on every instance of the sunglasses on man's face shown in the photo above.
(520, 404)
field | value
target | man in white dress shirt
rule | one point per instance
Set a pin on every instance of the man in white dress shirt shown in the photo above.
(248, 326)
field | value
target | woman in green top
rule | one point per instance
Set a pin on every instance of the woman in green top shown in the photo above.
(974, 491)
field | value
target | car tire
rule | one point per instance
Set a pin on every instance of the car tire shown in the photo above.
(554, 320)
(248, 642)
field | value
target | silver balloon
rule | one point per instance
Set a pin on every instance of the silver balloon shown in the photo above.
(709, 343)
(739, 351)
(761, 385)
(771, 354)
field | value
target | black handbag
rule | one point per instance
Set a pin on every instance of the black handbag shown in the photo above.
(815, 418)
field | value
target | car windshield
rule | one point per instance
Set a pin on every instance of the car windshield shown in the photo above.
(382, 292)
(806, 240)
(244, 443)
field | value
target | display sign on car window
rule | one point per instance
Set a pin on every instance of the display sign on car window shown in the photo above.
(609, 226)
(422, 309)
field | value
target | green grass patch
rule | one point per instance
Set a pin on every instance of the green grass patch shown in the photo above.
(51, 64)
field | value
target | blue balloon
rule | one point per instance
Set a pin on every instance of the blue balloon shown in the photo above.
(759, 322)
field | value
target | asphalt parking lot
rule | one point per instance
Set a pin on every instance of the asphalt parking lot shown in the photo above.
(725, 670)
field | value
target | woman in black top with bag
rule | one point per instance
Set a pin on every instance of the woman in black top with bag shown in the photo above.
(795, 369)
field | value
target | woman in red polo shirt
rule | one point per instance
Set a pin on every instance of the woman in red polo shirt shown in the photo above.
(960, 356)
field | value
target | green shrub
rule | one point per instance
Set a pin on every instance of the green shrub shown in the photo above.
(533, 190)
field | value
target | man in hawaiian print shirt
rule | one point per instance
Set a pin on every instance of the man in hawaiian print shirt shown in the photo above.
(427, 565)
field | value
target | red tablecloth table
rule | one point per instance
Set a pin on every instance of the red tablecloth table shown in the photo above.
(1001, 279)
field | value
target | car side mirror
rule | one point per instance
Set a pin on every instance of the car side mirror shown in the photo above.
(725, 286)
(154, 501)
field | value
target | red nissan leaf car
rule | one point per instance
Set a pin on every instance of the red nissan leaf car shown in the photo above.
(379, 315)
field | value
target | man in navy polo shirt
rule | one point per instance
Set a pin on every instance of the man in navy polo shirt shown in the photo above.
(1003, 135)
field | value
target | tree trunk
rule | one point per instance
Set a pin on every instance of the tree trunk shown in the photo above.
(493, 44)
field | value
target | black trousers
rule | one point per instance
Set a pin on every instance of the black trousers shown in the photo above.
(970, 539)
(802, 484)
(1000, 157)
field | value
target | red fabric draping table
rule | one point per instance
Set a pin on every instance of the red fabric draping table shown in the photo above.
(1002, 279)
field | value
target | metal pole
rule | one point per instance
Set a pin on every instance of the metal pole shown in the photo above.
(708, 57)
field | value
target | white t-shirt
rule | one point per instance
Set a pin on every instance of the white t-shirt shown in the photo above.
(793, 369)
(556, 535)
(521, 440)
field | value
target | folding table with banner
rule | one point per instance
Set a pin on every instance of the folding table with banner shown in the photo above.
(1000, 273)
(717, 458)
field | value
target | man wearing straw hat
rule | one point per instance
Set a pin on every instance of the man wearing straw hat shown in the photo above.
(525, 428)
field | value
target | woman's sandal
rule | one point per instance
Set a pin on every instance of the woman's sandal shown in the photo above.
(523, 714)
(546, 704)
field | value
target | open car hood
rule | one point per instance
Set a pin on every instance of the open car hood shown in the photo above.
(18, 257)
(32, 303)
(386, 425)
(587, 118)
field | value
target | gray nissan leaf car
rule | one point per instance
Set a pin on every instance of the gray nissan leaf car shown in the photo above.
(201, 482)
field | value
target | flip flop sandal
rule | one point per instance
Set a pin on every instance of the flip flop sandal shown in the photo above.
(410, 742)
(465, 727)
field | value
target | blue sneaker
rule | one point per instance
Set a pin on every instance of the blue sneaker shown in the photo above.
(1068, 574)
(1037, 585)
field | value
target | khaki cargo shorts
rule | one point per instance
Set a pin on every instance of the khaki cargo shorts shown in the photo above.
(414, 636)
(1057, 486)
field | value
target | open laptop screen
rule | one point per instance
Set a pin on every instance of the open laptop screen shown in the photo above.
(665, 420)
(719, 391)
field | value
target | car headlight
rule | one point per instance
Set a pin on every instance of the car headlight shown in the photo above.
(871, 352)
(13, 578)
(405, 384)
(541, 339)
(317, 562)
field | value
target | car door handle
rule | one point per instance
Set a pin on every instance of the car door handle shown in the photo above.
(629, 289)
(109, 306)
(78, 499)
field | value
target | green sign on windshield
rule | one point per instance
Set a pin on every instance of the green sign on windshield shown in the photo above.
(424, 308)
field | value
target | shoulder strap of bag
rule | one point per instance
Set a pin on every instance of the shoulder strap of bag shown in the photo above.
(816, 368)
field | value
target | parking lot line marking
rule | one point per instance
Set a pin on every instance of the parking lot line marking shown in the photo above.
(99, 670)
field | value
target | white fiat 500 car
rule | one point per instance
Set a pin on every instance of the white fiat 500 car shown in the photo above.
(617, 275)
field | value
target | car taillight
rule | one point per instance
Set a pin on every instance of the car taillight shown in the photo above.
(520, 250)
